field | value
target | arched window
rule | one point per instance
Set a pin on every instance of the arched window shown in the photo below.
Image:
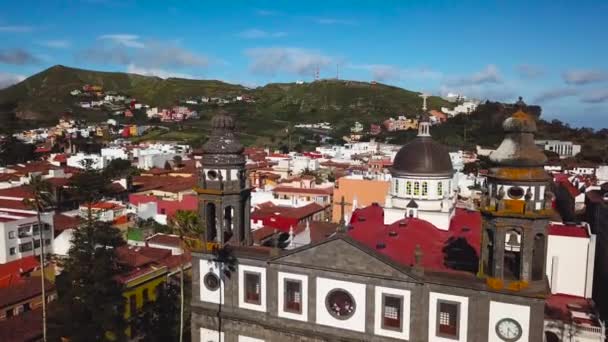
(210, 219)
(425, 188)
(512, 255)
(228, 219)
(416, 188)
(408, 188)
(440, 188)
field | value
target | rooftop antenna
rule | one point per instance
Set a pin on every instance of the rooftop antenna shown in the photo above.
(424, 97)
(337, 71)
(317, 72)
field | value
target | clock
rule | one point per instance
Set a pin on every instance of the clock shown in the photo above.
(508, 330)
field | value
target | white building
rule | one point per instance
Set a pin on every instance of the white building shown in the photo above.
(422, 184)
(111, 153)
(466, 107)
(97, 162)
(20, 234)
(565, 149)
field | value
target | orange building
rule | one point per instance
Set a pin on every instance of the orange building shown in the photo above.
(366, 191)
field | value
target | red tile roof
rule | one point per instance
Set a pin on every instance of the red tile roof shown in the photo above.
(283, 218)
(562, 306)
(13, 204)
(22, 290)
(164, 183)
(568, 230)
(24, 327)
(165, 240)
(22, 191)
(399, 240)
(62, 222)
(13, 271)
(312, 191)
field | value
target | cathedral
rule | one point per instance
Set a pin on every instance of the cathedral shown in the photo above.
(415, 268)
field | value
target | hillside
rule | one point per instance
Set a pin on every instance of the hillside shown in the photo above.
(46, 95)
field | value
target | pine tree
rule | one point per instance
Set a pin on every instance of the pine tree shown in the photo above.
(90, 304)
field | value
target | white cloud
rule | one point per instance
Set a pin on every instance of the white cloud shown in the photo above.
(555, 94)
(385, 72)
(530, 72)
(16, 28)
(489, 74)
(595, 96)
(286, 59)
(580, 77)
(334, 21)
(7, 79)
(133, 69)
(127, 40)
(257, 34)
(56, 43)
(152, 54)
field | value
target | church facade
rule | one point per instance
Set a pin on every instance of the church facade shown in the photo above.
(475, 278)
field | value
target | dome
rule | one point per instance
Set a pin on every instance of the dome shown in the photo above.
(519, 122)
(423, 157)
(222, 121)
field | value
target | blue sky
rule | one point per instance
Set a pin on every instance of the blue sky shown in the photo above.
(553, 53)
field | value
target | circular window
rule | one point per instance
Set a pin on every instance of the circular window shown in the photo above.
(516, 192)
(212, 282)
(212, 174)
(340, 304)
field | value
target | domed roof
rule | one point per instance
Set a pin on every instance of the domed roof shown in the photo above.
(222, 139)
(519, 122)
(222, 121)
(423, 156)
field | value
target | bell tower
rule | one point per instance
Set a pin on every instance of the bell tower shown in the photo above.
(516, 207)
(223, 191)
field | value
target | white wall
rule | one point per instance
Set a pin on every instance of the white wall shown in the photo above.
(304, 300)
(208, 335)
(404, 334)
(463, 316)
(519, 313)
(206, 266)
(357, 321)
(568, 264)
(247, 339)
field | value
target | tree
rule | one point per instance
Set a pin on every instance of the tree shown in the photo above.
(119, 168)
(177, 160)
(186, 225)
(13, 151)
(42, 201)
(159, 319)
(90, 305)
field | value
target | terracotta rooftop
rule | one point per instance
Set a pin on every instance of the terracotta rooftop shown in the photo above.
(568, 230)
(569, 308)
(12, 272)
(24, 327)
(165, 240)
(312, 191)
(22, 191)
(22, 290)
(454, 250)
(62, 222)
(164, 183)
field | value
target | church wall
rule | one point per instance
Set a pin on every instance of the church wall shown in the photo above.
(270, 326)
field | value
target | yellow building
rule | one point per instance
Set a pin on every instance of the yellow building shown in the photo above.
(148, 268)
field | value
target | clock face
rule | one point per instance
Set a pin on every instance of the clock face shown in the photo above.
(508, 330)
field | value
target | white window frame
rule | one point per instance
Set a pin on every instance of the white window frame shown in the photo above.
(463, 317)
(404, 333)
(303, 279)
(263, 294)
(206, 295)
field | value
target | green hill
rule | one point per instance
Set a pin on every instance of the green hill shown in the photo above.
(46, 96)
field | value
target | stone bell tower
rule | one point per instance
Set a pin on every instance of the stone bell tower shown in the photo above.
(223, 193)
(516, 207)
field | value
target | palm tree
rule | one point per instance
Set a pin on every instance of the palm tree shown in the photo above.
(187, 226)
(227, 262)
(42, 201)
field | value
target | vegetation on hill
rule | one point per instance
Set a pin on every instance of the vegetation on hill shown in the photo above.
(46, 96)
